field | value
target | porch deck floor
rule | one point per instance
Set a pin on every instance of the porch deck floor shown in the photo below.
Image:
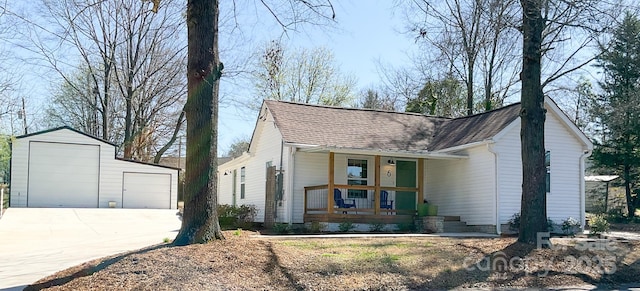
(380, 235)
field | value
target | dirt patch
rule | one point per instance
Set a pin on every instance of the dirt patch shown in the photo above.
(242, 262)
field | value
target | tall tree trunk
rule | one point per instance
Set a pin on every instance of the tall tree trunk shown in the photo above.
(200, 217)
(533, 210)
(105, 116)
(128, 128)
(631, 207)
(470, 88)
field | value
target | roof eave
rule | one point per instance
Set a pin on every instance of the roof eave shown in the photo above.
(464, 146)
(380, 152)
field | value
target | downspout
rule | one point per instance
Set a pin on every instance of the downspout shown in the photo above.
(583, 157)
(280, 175)
(292, 155)
(496, 186)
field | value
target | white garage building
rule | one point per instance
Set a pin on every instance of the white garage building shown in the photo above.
(63, 167)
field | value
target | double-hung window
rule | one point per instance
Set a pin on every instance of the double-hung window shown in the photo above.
(242, 178)
(547, 165)
(357, 175)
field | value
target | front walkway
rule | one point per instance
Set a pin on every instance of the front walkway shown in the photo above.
(37, 242)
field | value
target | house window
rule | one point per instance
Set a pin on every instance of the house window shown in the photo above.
(242, 178)
(547, 164)
(357, 175)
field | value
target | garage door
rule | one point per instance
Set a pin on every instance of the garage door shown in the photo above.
(63, 175)
(146, 190)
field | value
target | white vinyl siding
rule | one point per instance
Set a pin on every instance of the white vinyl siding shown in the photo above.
(463, 187)
(565, 177)
(311, 169)
(110, 181)
(225, 186)
(265, 147)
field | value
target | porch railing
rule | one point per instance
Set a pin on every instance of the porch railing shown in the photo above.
(402, 201)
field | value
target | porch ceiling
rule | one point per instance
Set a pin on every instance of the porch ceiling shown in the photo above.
(386, 153)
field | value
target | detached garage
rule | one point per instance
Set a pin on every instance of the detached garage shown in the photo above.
(63, 167)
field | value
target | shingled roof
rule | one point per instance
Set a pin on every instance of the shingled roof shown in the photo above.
(337, 127)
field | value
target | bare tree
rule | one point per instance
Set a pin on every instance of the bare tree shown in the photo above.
(200, 222)
(149, 70)
(533, 217)
(439, 97)
(498, 54)
(9, 80)
(134, 62)
(377, 99)
(547, 25)
(467, 34)
(238, 147)
(301, 75)
(72, 104)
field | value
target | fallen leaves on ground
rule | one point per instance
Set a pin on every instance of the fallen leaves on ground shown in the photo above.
(250, 262)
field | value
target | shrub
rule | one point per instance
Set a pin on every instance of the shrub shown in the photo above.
(281, 228)
(317, 227)
(236, 216)
(346, 226)
(598, 224)
(570, 225)
(514, 223)
(376, 227)
(616, 216)
(407, 227)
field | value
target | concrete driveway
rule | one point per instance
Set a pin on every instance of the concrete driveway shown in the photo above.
(36, 242)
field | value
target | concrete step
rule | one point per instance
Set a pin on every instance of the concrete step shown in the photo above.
(452, 218)
(456, 226)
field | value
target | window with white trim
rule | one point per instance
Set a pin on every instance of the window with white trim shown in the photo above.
(357, 175)
(242, 179)
(547, 165)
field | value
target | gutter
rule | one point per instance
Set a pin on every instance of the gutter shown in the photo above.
(464, 146)
(583, 157)
(496, 186)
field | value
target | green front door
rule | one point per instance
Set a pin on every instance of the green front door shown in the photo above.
(406, 177)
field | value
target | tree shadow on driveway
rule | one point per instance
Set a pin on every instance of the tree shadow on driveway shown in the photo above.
(89, 268)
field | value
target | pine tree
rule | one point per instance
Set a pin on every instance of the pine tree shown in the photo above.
(618, 108)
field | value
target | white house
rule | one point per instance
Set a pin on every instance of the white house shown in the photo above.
(63, 167)
(470, 167)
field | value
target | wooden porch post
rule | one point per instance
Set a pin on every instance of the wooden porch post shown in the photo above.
(420, 181)
(376, 194)
(331, 182)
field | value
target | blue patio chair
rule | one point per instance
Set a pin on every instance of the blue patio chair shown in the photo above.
(342, 203)
(385, 203)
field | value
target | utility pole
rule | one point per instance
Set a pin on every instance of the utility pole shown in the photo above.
(24, 117)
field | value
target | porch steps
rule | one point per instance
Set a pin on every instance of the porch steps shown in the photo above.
(453, 224)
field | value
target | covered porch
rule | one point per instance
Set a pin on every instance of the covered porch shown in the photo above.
(391, 195)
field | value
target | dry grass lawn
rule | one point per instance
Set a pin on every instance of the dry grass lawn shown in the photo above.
(247, 262)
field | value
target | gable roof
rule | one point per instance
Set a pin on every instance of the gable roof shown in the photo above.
(68, 128)
(98, 139)
(475, 128)
(352, 128)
